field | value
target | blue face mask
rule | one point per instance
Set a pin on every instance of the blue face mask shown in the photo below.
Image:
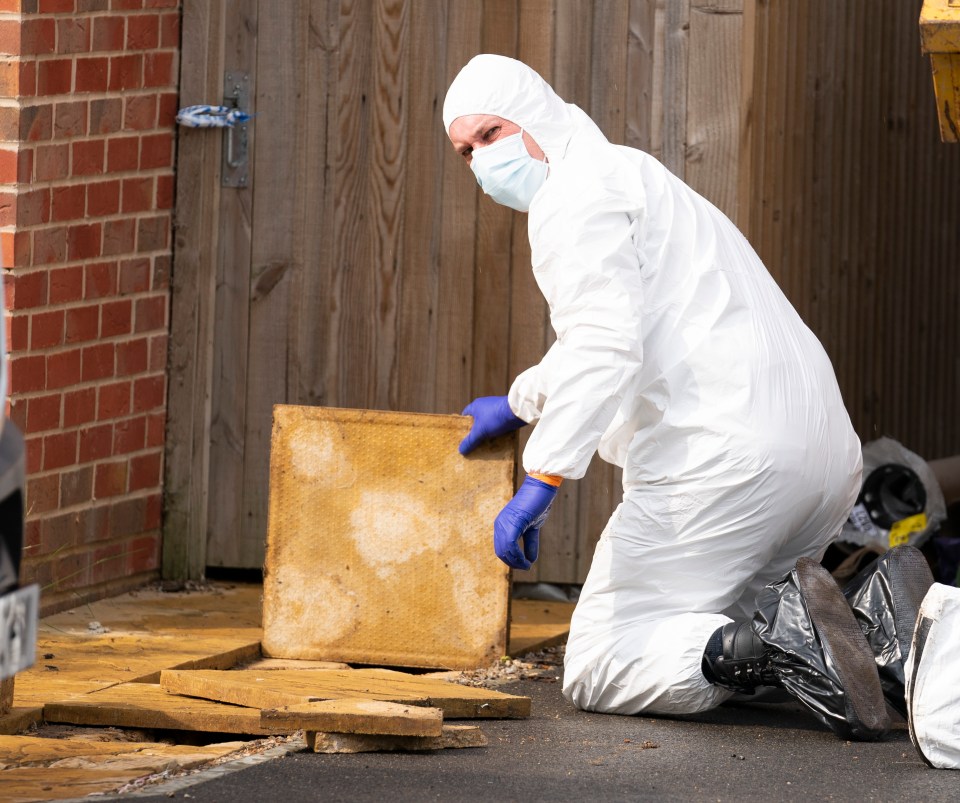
(508, 173)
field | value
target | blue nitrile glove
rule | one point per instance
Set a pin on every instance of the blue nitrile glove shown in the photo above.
(492, 417)
(523, 517)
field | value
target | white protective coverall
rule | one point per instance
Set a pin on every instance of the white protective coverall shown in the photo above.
(677, 358)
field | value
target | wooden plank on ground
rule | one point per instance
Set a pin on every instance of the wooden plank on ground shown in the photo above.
(536, 625)
(277, 689)
(452, 736)
(20, 718)
(357, 716)
(146, 705)
(34, 768)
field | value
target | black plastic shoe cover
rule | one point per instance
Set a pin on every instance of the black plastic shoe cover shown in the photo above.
(885, 597)
(818, 653)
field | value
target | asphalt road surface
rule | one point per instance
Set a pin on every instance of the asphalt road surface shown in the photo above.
(771, 752)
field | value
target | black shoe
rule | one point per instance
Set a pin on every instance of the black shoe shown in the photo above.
(885, 598)
(804, 639)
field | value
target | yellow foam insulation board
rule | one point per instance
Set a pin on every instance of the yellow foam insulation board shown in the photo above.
(379, 540)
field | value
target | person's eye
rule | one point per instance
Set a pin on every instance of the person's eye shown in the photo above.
(465, 153)
(492, 133)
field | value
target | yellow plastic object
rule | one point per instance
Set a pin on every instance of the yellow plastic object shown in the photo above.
(380, 540)
(940, 38)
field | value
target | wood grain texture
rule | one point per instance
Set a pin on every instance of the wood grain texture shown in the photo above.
(358, 716)
(452, 736)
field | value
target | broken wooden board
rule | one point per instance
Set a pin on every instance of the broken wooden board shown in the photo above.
(277, 689)
(357, 716)
(33, 769)
(453, 736)
(19, 719)
(270, 664)
(69, 664)
(146, 705)
(536, 625)
(378, 544)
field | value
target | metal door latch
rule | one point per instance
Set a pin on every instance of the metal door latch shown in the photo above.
(235, 166)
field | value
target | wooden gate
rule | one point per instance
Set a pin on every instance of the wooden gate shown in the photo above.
(357, 265)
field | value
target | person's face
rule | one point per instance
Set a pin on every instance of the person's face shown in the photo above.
(473, 131)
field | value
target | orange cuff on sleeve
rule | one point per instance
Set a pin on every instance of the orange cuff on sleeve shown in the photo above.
(549, 479)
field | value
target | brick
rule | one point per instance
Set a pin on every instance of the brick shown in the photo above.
(88, 157)
(103, 198)
(10, 35)
(63, 369)
(143, 32)
(43, 412)
(126, 5)
(96, 442)
(58, 532)
(18, 412)
(84, 241)
(110, 479)
(33, 208)
(167, 114)
(28, 374)
(153, 234)
(149, 393)
(113, 401)
(55, 77)
(98, 362)
(156, 151)
(73, 34)
(29, 289)
(165, 189)
(82, 324)
(9, 78)
(43, 493)
(92, 5)
(31, 541)
(140, 113)
(143, 555)
(59, 450)
(19, 332)
(132, 357)
(108, 33)
(127, 517)
(8, 209)
(38, 37)
(71, 571)
(79, 407)
(66, 284)
(145, 471)
(151, 314)
(69, 203)
(35, 123)
(153, 515)
(130, 436)
(119, 236)
(50, 246)
(156, 430)
(123, 153)
(76, 486)
(158, 353)
(34, 454)
(100, 280)
(25, 164)
(46, 329)
(53, 162)
(161, 271)
(170, 30)
(28, 79)
(158, 69)
(107, 563)
(135, 275)
(138, 194)
(9, 164)
(160, 3)
(106, 117)
(56, 6)
(92, 74)
(116, 318)
(70, 119)
(126, 72)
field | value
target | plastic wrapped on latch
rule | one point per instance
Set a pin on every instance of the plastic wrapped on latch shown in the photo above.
(900, 500)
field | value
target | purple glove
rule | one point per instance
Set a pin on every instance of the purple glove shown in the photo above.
(492, 417)
(522, 518)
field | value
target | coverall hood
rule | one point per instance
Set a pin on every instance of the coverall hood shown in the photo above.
(490, 84)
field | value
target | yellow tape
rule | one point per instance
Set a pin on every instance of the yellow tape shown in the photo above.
(901, 530)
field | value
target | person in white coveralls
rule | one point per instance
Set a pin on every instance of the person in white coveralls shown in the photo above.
(677, 358)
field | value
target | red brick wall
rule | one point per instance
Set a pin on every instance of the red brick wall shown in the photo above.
(87, 105)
